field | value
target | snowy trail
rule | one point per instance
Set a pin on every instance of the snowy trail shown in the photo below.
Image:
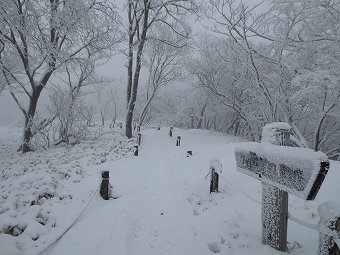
(164, 206)
(149, 215)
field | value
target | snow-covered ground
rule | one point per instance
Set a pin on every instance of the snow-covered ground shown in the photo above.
(162, 204)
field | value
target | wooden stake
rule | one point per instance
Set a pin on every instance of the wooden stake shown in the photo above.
(136, 150)
(214, 181)
(331, 225)
(139, 138)
(178, 141)
(104, 188)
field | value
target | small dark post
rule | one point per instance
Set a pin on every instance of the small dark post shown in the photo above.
(139, 138)
(329, 220)
(138, 128)
(178, 142)
(171, 129)
(136, 150)
(159, 127)
(189, 153)
(104, 188)
(134, 126)
(214, 180)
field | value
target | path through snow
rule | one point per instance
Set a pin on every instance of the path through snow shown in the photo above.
(164, 206)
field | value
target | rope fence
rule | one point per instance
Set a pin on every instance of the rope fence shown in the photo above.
(69, 227)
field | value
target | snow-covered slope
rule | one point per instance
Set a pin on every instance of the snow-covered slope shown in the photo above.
(163, 205)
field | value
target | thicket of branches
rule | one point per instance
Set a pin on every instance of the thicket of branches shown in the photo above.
(278, 66)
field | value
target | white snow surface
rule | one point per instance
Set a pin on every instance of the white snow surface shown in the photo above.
(216, 164)
(162, 205)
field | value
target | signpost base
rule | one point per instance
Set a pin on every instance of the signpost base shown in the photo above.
(274, 217)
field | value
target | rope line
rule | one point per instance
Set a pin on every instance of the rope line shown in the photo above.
(241, 191)
(303, 223)
(69, 227)
(290, 216)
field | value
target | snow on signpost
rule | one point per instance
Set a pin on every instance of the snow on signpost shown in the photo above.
(281, 169)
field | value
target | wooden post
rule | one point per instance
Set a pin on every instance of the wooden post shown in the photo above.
(213, 180)
(329, 225)
(171, 129)
(104, 188)
(275, 202)
(159, 127)
(138, 128)
(136, 150)
(139, 138)
(189, 153)
(178, 141)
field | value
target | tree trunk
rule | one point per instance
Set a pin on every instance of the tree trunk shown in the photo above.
(132, 101)
(199, 124)
(28, 134)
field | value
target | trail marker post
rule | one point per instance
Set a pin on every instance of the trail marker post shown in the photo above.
(281, 169)
(136, 150)
(159, 127)
(139, 138)
(171, 129)
(178, 141)
(104, 187)
(215, 167)
(329, 224)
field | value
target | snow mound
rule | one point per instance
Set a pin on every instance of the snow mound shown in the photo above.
(38, 187)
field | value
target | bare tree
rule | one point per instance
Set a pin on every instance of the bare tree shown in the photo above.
(294, 66)
(142, 16)
(42, 36)
(164, 62)
(106, 98)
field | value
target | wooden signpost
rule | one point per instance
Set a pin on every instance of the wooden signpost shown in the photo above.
(282, 170)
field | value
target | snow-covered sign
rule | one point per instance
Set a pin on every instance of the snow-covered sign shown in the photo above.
(298, 171)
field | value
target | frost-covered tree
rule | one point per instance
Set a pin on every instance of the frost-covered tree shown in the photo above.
(164, 57)
(292, 64)
(40, 37)
(143, 15)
